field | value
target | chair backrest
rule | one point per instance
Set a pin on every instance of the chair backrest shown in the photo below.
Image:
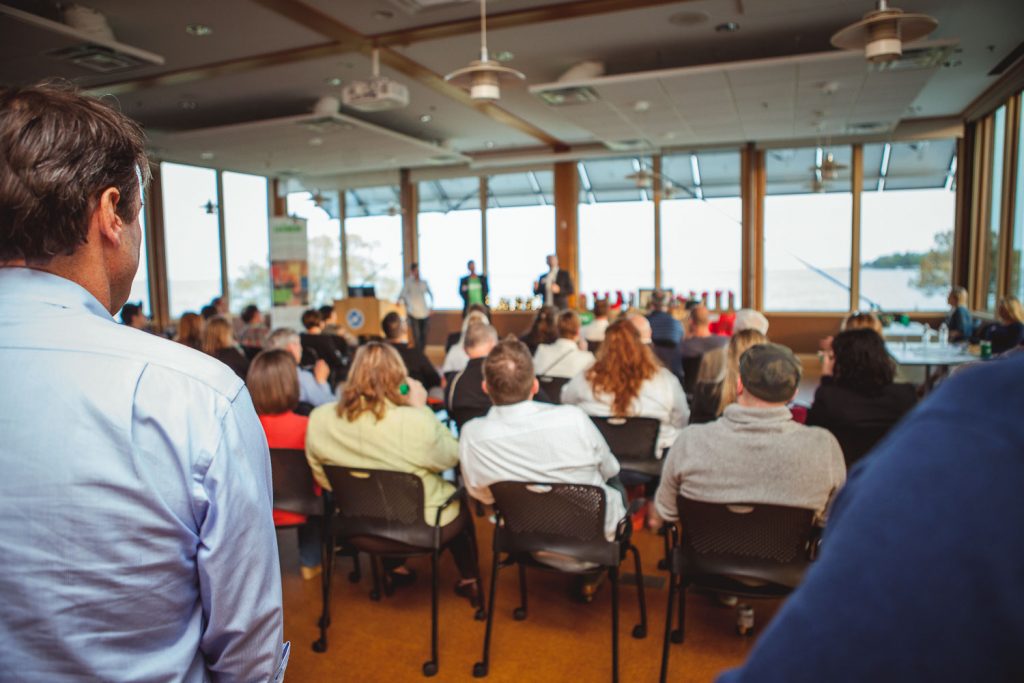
(630, 438)
(293, 482)
(560, 518)
(378, 503)
(552, 386)
(771, 542)
(593, 346)
(461, 416)
(857, 440)
(691, 368)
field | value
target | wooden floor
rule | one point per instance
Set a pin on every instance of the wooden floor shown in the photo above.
(561, 639)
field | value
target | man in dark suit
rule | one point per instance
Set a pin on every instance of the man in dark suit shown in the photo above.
(555, 285)
(396, 331)
(473, 288)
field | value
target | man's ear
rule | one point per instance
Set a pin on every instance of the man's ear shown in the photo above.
(483, 385)
(534, 388)
(739, 387)
(110, 224)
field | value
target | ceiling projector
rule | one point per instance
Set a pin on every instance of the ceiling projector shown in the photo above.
(376, 94)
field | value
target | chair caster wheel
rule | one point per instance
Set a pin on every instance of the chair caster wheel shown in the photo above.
(353, 577)
(519, 614)
(639, 631)
(663, 565)
(320, 646)
(587, 599)
(430, 669)
(375, 596)
(479, 670)
(677, 636)
(480, 614)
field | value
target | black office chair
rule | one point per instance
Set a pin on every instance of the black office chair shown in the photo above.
(720, 545)
(562, 518)
(633, 441)
(552, 387)
(381, 513)
(593, 346)
(461, 416)
(858, 440)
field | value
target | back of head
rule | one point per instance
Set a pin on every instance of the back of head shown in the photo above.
(393, 326)
(568, 325)
(601, 308)
(325, 312)
(700, 317)
(273, 382)
(375, 378)
(129, 311)
(642, 326)
(207, 312)
(738, 344)
(61, 150)
(508, 372)
(862, 321)
(770, 372)
(190, 329)
(958, 296)
(311, 319)
(249, 313)
(545, 326)
(861, 361)
(474, 317)
(479, 339)
(477, 308)
(1010, 310)
(282, 338)
(217, 335)
(658, 300)
(622, 365)
(749, 319)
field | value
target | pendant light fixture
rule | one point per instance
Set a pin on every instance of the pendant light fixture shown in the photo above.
(483, 75)
(882, 32)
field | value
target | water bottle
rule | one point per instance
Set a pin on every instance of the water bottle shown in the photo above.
(943, 335)
(926, 335)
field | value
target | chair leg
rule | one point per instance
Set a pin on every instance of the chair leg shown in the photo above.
(613, 578)
(327, 559)
(640, 630)
(481, 667)
(520, 612)
(673, 586)
(680, 633)
(375, 570)
(430, 668)
(663, 562)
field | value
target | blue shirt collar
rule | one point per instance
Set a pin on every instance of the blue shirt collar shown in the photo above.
(29, 285)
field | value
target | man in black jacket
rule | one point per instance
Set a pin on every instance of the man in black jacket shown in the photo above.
(473, 288)
(554, 286)
(465, 396)
(419, 367)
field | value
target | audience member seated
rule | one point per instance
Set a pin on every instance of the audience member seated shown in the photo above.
(314, 389)
(207, 312)
(626, 380)
(665, 330)
(857, 400)
(959, 320)
(132, 316)
(755, 453)
(465, 395)
(275, 395)
(593, 331)
(544, 329)
(455, 359)
(317, 345)
(563, 357)
(382, 422)
(862, 321)
(642, 327)
(254, 330)
(396, 333)
(716, 381)
(190, 330)
(455, 338)
(699, 339)
(749, 319)
(525, 440)
(219, 342)
(1009, 333)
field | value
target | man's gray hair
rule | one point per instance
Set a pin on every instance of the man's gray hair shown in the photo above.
(478, 334)
(282, 338)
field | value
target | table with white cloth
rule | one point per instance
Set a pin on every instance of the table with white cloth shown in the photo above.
(928, 356)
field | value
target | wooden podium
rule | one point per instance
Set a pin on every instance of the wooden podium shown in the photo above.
(362, 316)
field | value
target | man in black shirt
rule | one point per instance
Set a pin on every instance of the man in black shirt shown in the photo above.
(465, 395)
(396, 331)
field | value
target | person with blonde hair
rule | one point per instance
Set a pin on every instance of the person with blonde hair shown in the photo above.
(716, 381)
(861, 321)
(626, 380)
(1009, 333)
(959, 320)
(219, 342)
(382, 422)
(190, 330)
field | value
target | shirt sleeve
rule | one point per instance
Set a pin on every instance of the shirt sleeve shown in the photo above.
(679, 416)
(442, 451)
(313, 392)
(242, 636)
(668, 489)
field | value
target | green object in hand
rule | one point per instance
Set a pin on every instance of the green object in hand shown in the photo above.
(403, 389)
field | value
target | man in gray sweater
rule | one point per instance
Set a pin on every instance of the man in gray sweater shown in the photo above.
(755, 453)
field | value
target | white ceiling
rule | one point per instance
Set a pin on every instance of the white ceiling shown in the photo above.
(702, 107)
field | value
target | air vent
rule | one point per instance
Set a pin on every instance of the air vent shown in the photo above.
(95, 58)
(625, 145)
(566, 96)
(867, 127)
(914, 59)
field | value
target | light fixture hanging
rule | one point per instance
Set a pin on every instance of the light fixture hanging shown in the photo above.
(483, 75)
(882, 32)
(209, 207)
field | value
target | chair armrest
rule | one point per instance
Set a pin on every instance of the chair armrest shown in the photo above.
(458, 493)
(627, 519)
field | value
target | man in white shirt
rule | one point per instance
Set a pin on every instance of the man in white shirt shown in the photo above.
(563, 357)
(414, 295)
(523, 440)
(593, 331)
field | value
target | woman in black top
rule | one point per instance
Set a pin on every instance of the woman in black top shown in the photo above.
(1009, 333)
(219, 342)
(857, 400)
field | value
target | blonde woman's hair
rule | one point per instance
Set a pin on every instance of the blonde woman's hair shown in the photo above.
(740, 342)
(959, 294)
(374, 381)
(861, 321)
(217, 335)
(1010, 310)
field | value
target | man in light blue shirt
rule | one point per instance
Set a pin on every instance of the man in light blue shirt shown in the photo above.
(135, 502)
(313, 386)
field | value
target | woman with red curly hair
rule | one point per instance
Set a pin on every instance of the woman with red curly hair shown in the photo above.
(626, 380)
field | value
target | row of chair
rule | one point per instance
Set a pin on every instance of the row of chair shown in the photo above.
(746, 550)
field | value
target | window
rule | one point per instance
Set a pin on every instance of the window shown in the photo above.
(995, 207)
(246, 229)
(192, 235)
(616, 226)
(323, 235)
(373, 239)
(1017, 266)
(140, 285)
(520, 232)
(449, 236)
(908, 206)
(807, 229)
(701, 224)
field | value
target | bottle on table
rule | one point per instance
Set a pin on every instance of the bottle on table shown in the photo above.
(943, 335)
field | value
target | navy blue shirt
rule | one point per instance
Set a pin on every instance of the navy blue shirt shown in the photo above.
(665, 328)
(921, 574)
